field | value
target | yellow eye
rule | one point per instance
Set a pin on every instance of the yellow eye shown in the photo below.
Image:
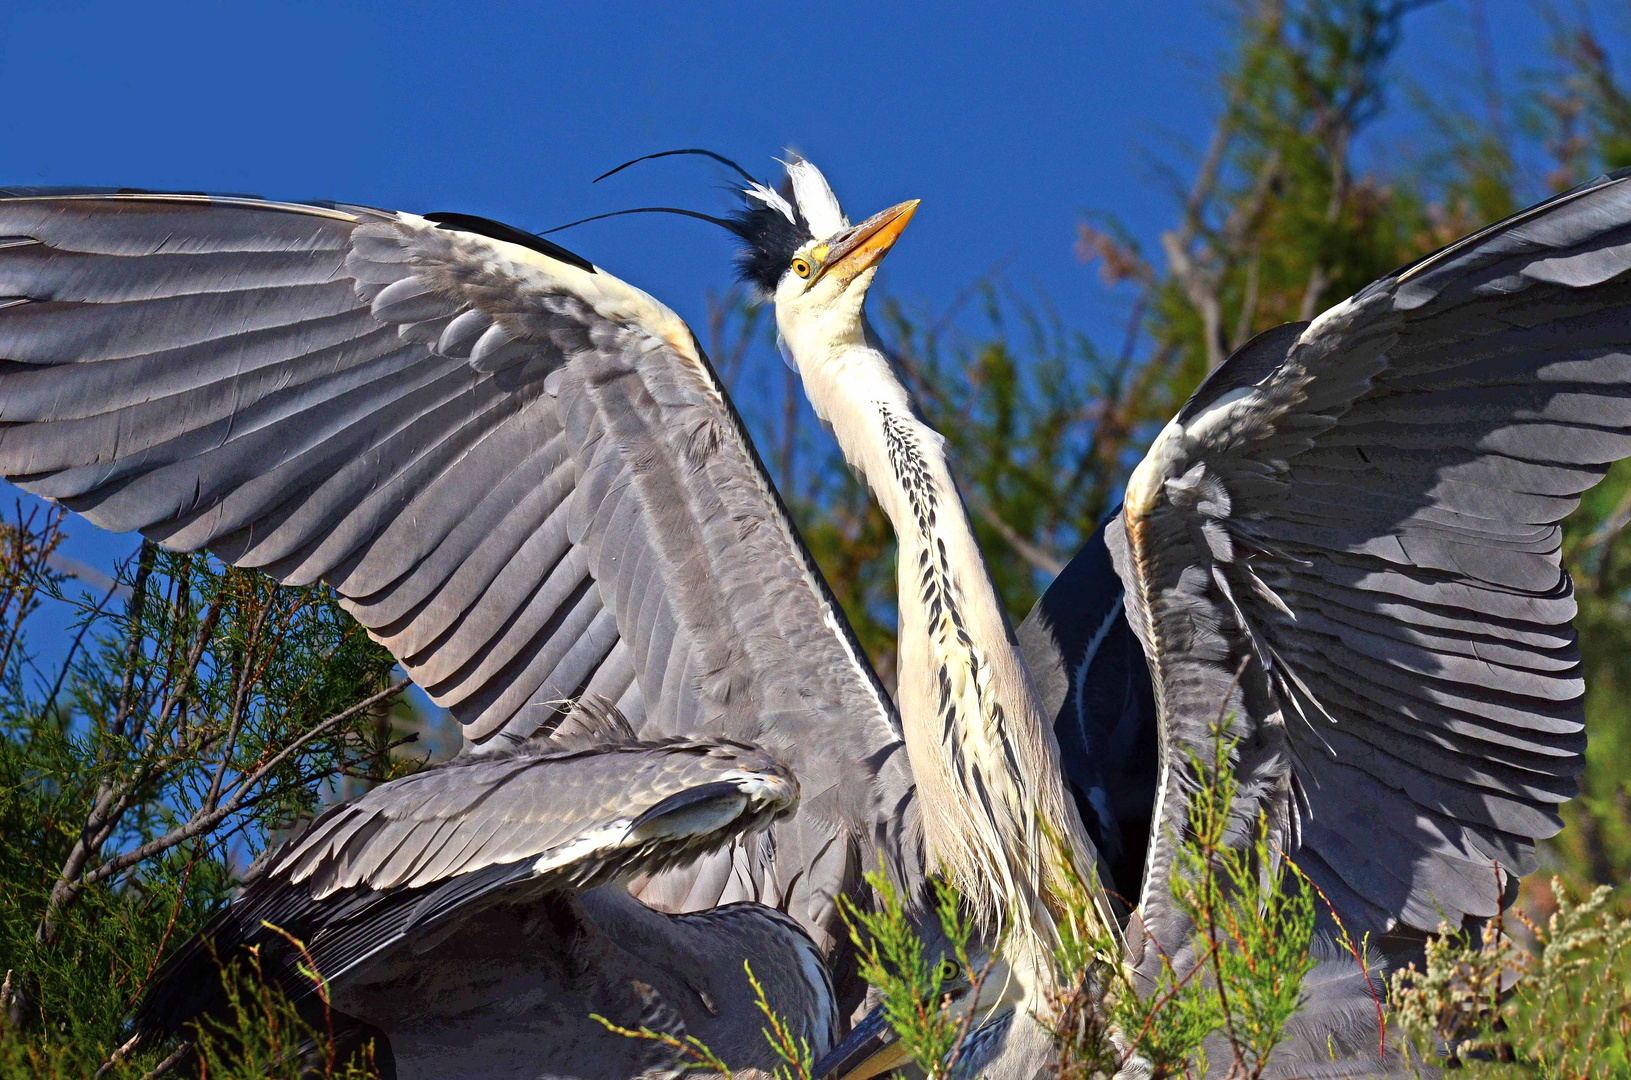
(801, 267)
(949, 970)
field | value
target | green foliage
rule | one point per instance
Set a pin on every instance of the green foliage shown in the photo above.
(1253, 924)
(144, 759)
(797, 1060)
(1569, 1014)
(691, 1054)
(263, 1035)
(1252, 927)
(929, 1003)
(1256, 924)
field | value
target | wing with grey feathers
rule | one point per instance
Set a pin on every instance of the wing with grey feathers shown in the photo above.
(1361, 517)
(517, 471)
(410, 856)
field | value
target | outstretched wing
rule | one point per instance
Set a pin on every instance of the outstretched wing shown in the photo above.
(1346, 548)
(402, 861)
(517, 471)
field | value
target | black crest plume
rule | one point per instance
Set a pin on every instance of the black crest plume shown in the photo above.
(769, 236)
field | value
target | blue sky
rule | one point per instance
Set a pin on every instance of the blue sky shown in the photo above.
(1005, 123)
(1008, 120)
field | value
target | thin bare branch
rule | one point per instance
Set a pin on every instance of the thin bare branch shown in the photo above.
(240, 696)
(73, 651)
(206, 820)
(1045, 561)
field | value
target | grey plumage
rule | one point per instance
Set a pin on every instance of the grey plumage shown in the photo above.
(519, 473)
(476, 883)
(452, 1009)
(1365, 513)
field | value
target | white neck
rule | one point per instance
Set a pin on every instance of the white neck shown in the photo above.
(984, 757)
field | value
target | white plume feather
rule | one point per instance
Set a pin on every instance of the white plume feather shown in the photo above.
(772, 199)
(815, 199)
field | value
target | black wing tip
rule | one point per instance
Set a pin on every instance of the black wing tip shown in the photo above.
(1419, 265)
(497, 230)
(187, 985)
(685, 800)
(1248, 365)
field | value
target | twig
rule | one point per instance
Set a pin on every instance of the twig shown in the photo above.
(118, 1055)
(1135, 324)
(309, 969)
(1347, 941)
(1248, 304)
(133, 640)
(170, 1062)
(175, 913)
(195, 654)
(239, 697)
(1044, 561)
(73, 650)
(967, 293)
(28, 582)
(1206, 179)
(1172, 991)
(202, 823)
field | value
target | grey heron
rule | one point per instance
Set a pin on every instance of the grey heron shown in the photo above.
(521, 474)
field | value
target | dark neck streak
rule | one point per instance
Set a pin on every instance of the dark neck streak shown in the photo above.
(936, 584)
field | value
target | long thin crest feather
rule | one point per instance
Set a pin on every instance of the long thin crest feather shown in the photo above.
(772, 225)
(724, 223)
(721, 158)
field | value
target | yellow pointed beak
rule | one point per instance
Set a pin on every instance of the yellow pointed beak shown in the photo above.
(871, 1048)
(867, 243)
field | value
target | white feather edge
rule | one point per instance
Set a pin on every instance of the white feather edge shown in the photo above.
(609, 837)
(758, 789)
(771, 198)
(609, 296)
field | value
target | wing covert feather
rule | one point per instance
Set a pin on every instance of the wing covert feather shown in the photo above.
(518, 472)
(391, 868)
(1361, 517)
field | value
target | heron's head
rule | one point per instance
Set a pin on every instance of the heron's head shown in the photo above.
(995, 997)
(802, 252)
